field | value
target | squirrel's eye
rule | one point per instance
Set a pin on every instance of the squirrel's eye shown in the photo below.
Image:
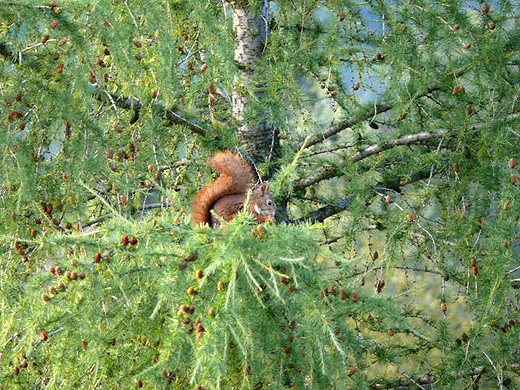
(269, 202)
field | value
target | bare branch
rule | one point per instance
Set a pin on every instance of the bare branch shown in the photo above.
(410, 382)
(498, 371)
(133, 103)
(338, 127)
(327, 172)
(368, 111)
(324, 212)
(179, 119)
(404, 140)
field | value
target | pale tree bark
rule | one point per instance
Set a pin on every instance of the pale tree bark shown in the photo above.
(251, 30)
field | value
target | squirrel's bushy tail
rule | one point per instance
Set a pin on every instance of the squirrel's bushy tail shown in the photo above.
(236, 178)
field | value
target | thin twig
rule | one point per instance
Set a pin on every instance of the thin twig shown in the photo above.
(409, 378)
(499, 375)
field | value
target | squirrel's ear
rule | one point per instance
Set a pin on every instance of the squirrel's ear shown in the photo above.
(264, 188)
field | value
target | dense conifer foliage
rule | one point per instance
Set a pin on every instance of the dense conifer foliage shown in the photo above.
(389, 132)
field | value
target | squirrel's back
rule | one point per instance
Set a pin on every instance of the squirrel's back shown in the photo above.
(236, 178)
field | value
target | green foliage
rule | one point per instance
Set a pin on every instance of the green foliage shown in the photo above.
(165, 304)
(397, 177)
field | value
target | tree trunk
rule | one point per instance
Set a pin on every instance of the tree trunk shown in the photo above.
(259, 137)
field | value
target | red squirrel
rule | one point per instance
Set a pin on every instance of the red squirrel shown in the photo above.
(227, 194)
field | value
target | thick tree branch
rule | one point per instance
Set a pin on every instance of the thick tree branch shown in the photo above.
(367, 112)
(132, 103)
(324, 173)
(327, 172)
(405, 140)
(338, 127)
(179, 119)
(327, 211)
